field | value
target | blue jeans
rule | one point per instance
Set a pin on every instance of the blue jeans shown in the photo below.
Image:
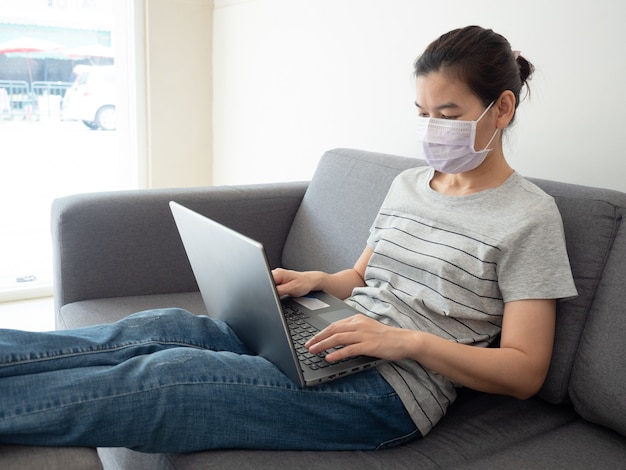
(170, 381)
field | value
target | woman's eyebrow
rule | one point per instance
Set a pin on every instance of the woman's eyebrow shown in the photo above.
(450, 105)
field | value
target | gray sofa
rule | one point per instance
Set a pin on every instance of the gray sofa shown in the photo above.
(117, 253)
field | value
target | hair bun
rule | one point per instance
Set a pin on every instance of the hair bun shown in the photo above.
(526, 69)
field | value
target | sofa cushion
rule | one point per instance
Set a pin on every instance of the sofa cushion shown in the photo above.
(577, 445)
(589, 221)
(332, 224)
(598, 384)
(66, 458)
(96, 311)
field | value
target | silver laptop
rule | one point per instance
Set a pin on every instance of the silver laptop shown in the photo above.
(237, 287)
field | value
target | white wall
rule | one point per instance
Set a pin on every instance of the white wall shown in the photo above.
(293, 78)
(178, 93)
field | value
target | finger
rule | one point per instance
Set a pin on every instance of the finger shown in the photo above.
(333, 341)
(313, 344)
(343, 353)
(340, 326)
(281, 289)
(279, 275)
(321, 336)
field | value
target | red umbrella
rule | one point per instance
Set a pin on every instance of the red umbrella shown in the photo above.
(26, 45)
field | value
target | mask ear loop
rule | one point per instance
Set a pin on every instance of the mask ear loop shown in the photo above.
(485, 111)
(491, 140)
(495, 132)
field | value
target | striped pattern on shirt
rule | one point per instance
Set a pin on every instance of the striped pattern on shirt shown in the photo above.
(447, 265)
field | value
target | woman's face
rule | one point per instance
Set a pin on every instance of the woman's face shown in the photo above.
(439, 96)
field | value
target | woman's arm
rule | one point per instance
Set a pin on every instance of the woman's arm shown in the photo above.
(340, 284)
(518, 367)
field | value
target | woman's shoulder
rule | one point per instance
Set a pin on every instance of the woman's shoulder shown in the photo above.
(524, 184)
(526, 197)
(416, 171)
(413, 176)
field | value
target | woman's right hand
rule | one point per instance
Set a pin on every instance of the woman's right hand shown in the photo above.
(295, 283)
(340, 284)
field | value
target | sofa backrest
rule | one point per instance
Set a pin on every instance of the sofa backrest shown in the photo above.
(332, 224)
(597, 385)
(592, 219)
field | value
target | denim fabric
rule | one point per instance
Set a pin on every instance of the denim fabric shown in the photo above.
(171, 381)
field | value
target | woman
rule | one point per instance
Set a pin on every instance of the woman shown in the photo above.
(459, 253)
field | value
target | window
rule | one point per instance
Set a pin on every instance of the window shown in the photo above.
(65, 101)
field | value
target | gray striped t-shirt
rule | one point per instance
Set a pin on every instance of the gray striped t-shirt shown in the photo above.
(446, 265)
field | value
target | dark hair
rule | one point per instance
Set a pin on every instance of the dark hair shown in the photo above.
(480, 58)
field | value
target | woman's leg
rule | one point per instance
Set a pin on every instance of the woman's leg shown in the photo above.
(25, 352)
(168, 398)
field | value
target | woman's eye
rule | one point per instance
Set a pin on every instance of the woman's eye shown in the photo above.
(441, 116)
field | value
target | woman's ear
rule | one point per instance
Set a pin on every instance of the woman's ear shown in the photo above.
(505, 107)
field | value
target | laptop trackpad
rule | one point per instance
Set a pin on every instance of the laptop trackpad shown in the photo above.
(333, 316)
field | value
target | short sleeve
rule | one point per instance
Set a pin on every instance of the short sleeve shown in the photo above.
(535, 264)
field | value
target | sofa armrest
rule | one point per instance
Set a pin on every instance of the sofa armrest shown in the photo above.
(125, 243)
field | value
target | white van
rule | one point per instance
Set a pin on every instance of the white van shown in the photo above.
(92, 97)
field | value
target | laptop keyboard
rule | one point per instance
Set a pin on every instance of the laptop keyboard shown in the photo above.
(301, 331)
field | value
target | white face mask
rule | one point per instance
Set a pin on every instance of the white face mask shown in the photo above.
(448, 144)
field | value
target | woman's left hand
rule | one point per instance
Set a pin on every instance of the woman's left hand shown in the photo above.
(361, 335)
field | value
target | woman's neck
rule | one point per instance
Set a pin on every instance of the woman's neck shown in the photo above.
(489, 175)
